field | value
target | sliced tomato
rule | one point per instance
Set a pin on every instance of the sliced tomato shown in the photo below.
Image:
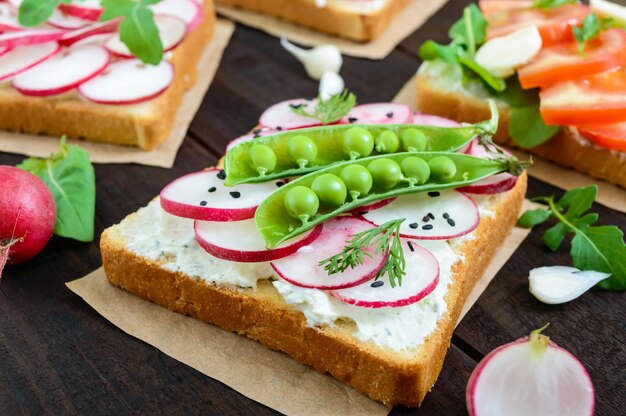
(597, 99)
(491, 7)
(609, 136)
(554, 25)
(564, 62)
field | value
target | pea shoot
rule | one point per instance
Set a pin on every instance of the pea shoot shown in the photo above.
(330, 110)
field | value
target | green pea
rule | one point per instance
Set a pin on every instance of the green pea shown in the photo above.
(358, 180)
(358, 142)
(330, 190)
(413, 140)
(301, 203)
(262, 158)
(442, 168)
(387, 142)
(415, 169)
(385, 172)
(302, 150)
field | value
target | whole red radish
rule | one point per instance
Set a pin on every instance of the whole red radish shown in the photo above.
(27, 215)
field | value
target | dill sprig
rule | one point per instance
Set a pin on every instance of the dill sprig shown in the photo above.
(330, 110)
(385, 238)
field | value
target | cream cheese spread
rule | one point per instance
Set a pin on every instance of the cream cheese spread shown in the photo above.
(359, 6)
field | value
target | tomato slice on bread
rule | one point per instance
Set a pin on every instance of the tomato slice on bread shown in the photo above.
(491, 7)
(564, 62)
(609, 136)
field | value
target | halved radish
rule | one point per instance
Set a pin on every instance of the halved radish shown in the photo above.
(22, 58)
(303, 269)
(379, 113)
(85, 9)
(530, 376)
(29, 37)
(64, 21)
(62, 72)
(188, 11)
(128, 82)
(438, 215)
(281, 116)
(495, 184)
(260, 132)
(92, 30)
(430, 120)
(421, 278)
(172, 31)
(241, 242)
(8, 18)
(203, 196)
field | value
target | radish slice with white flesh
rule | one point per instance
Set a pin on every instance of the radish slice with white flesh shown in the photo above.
(494, 184)
(65, 21)
(379, 113)
(240, 241)
(172, 31)
(371, 207)
(8, 19)
(92, 30)
(421, 278)
(435, 215)
(128, 82)
(85, 9)
(303, 269)
(281, 116)
(203, 196)
(22, 58)
(63, 72)
(263, 131)
(430, 120)
(188, 11)
(530, 376)
(29, 37)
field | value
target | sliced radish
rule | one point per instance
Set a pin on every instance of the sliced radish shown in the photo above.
(29, 37)
(379, 113)
(260, 132)
(494, 184)
(188, 11)
(438, 215)
(203, 196)
(530, 376)
(128, 82)
(430, 120)
(281, 116)
(62, 72)
(8, 18)
(371, 207)
(241, 242)
(92, 30)
(64, 21)
(85, 9)
(421, 278)
(22, 58)
(303, 269)
(172, 31)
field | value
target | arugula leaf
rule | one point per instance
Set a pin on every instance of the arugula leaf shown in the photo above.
(590, 28)
(515, 96)
(527, 128)
(599, 248)
(432, 50)
(471, 30)
(35, 12)
(497, 84)
(330, 110)
(551, 4)
(71, 179)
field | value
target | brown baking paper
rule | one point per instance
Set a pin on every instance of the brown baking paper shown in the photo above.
(269, 377)
(165, 154)
(405, 23)
(609, 195)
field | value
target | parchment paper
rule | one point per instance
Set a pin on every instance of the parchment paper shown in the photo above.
(609, 195)
(269, 377)
(162, 156)
(405, 23)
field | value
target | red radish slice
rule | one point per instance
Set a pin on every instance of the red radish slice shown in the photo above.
(437, 215)
(371, 207)
(241, 242)
(530, 376)
(281, 116)
(188, 11)
(65, 21)
(263, 131)
(379, 113)
(29, 37)
(95, 29)
(86, 9)
(128, 82)
(495, 184)
(203, 196)
(302, 268)
(430, 120)
(421, 278)
(8, 18)
(63, 72)
(20, 59)
(172, 31)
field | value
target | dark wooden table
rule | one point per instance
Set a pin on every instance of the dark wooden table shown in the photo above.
(58, 356)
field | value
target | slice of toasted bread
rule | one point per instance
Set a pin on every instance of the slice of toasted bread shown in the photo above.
(567, 148)
(335, 18)
(391, 376)
(145, 125)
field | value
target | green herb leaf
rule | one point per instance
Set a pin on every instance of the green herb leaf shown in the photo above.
(71, 179)
(471, 30)
(534, 217)
(432, 50)
(527, 129)
(515, 96)
(590, 28)
(330, 110)
(552, 4)
(467, 61)
(35, 12)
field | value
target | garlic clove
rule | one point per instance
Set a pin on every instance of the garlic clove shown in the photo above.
(330, 84)
(317, 60)
(559, 284)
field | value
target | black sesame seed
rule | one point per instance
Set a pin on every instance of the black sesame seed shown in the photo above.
(279, 184)
(257, 132)
(433, 194)
(221, 175)
(451, 222)
(446, 215)
(426, 218)
(390, 114)
(212, 189)
(430, 214)
(235, 194)
(413, 225)
(279, 128)
(362, 213)
(203, 203)
(294, 106)
(352, 119)
(427, 227)
(410, 244)
(377, 283)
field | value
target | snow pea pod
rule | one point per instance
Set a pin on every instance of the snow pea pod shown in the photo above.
(368, 180)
